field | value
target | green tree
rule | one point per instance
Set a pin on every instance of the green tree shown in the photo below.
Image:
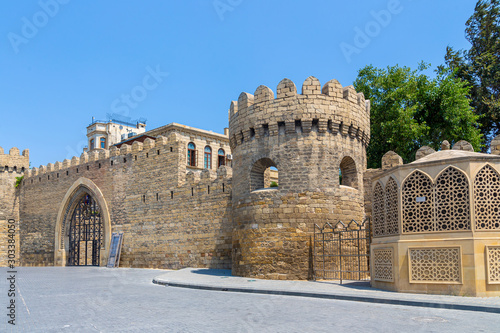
(480, 65)
(410, 110)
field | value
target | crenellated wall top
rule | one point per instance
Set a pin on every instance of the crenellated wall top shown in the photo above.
(14, 161)
(332, 107)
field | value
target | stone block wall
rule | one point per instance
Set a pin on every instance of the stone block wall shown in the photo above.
(169, 219)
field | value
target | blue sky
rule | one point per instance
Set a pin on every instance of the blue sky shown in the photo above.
(66, 61)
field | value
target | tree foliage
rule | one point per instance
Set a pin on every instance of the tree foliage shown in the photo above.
(480, 65)
(410, 110)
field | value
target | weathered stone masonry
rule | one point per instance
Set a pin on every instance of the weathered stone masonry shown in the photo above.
(174, 215)
(12, 165)
(168, 221)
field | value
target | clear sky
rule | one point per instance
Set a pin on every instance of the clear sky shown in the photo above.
(66, 61)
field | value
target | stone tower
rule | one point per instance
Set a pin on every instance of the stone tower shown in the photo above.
(12, 165)
(317, 140)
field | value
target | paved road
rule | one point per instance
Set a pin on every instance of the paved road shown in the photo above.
(81, 299)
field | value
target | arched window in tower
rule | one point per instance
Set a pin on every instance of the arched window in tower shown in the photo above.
(103, 143)
(348, 175)
(207, 159)
(191, 156)
(221, 157)
(92, 144)
(264, 174)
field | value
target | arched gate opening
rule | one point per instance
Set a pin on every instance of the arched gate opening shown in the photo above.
(85, 233)
(83, 227)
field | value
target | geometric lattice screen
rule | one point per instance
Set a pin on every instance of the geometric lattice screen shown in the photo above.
(452, 201)
(378, 211)
(382, 265)
(417, 196)
(391, 208)
(435, 265)
(487, 199)
(493, 263)
(385, 209)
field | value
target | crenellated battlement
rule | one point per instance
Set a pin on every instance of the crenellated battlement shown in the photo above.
(329, 109)
(113, 156)
(14, 161)
(125, 156)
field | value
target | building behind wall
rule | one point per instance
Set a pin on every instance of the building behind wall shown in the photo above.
(103, 134)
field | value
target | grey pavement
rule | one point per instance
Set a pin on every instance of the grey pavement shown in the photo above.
(221, 280)
(97, 299)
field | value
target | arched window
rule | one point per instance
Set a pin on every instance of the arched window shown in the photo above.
(260, 174)
(487, 199)
(418, 203)
(378, 211)
(452, 201)
(103, 143)
(391, 208)
(221, 158)
(191, 157)
(207, 160)
(92, 144)
(347, 172)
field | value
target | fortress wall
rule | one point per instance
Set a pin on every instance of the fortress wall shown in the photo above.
(190, 228)
(12, 165)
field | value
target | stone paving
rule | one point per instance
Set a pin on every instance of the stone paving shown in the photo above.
(93, 299)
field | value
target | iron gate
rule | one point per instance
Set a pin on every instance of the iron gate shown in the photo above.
(85, 233)
(341, 252)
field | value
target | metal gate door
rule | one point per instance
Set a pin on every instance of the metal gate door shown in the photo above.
(341, 252)
(85, 233)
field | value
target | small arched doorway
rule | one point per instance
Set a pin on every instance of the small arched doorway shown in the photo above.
(85, 233)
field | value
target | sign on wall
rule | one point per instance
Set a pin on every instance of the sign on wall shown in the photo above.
(115, 249)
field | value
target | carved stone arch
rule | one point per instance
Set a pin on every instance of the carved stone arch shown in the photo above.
(418, 203)
(262, 156)
(487, 198)
(80, 187)
(392, 207)
(452, 200)
(378, 210)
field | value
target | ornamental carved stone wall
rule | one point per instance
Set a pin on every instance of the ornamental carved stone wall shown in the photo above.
(418, 203)
(383, 265)
(436, 265)
(493, 264)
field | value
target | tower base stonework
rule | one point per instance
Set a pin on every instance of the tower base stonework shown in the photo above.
(276, 243)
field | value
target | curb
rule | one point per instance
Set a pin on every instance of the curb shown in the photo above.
(446, 306)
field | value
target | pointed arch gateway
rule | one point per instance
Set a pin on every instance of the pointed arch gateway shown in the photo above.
(83, 227)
